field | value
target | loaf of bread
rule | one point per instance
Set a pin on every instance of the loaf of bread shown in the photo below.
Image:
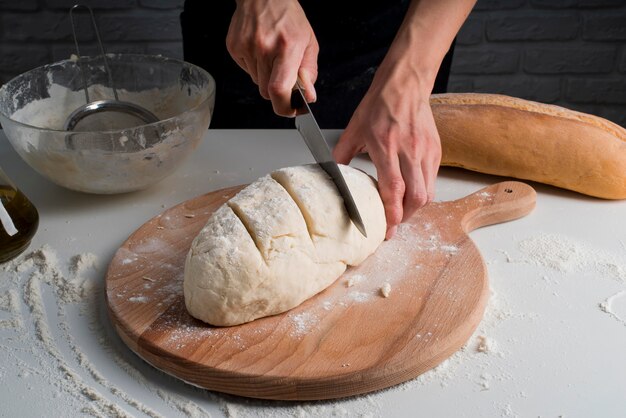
(511, 137)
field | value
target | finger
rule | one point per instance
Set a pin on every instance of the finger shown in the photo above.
(281, 82)
(430, 169)
(391, 187)
(346, 148)
(263, 71)
(309, 90)
(416, 194)
(241, 63)
(308, 71)
(250, 64)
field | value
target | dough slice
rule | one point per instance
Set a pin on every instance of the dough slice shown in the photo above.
(223, 272)
(276, 224)
(332, 232)
(273, 219)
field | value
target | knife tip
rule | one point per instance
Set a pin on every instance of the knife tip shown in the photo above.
(361, 228)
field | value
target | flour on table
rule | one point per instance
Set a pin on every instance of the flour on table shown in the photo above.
(46, 271)
(565, 254)
(484, 344)
(615, 306)
(70, 288)
(485, 380)
(9, 303)
(86, 388)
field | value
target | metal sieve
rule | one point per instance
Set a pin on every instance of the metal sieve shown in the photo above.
(88, 114)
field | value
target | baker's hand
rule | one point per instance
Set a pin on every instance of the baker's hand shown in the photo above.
(273, 41)
(395, 125)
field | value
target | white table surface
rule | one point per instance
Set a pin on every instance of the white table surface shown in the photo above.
(552, 350)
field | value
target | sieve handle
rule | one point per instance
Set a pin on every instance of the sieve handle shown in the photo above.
(100, 45)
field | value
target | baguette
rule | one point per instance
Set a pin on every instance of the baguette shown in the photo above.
(511, 137)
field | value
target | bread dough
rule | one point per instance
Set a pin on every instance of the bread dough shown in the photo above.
(278, 242)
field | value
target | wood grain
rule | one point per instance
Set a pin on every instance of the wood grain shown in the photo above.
(344, 341)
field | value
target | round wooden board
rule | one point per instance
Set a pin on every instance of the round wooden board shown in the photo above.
(348, 339)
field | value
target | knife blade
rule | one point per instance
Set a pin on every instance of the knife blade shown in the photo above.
(315, 141)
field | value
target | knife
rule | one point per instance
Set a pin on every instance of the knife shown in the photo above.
(314, 139)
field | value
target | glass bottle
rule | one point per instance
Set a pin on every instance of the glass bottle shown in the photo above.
(18, 220)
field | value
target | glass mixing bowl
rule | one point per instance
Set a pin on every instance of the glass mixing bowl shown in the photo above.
(34, 106)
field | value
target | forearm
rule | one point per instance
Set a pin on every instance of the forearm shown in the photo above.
(394, 121)
(425, 36)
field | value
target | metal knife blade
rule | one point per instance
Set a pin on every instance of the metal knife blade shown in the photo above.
(314, 139)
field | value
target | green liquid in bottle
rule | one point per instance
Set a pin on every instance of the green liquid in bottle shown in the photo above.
(25, 219)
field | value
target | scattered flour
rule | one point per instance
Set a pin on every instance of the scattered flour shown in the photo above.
(432, 243)
(9, 302)
(484, 344)
(354, 279)
(44, 260)
(98, 395)
(615, 306)
(302, 323)
(485, 379)
(47, 273)
(38, 270)
(356, 296)
(565, 254)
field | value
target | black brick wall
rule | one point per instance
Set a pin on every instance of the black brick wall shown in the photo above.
(566, 52)
(37, 32)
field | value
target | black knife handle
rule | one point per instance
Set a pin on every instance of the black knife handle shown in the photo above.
(297, 102)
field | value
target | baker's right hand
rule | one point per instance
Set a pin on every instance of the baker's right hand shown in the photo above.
(273, 41)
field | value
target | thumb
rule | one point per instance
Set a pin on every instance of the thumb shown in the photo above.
(345, 149)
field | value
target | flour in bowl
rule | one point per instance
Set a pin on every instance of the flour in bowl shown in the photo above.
(112, 161)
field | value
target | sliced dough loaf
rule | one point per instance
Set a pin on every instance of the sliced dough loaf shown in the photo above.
(281, 240)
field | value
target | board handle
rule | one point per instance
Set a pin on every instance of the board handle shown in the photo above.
(500, 202)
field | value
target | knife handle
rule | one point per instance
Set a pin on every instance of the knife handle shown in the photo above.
(297, 95)
(297, 101)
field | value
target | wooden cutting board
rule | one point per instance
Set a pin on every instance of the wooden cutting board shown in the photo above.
(348, 339)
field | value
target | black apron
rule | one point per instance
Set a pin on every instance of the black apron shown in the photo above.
(353, 36)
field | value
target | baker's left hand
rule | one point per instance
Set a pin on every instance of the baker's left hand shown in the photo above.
(394, 124)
